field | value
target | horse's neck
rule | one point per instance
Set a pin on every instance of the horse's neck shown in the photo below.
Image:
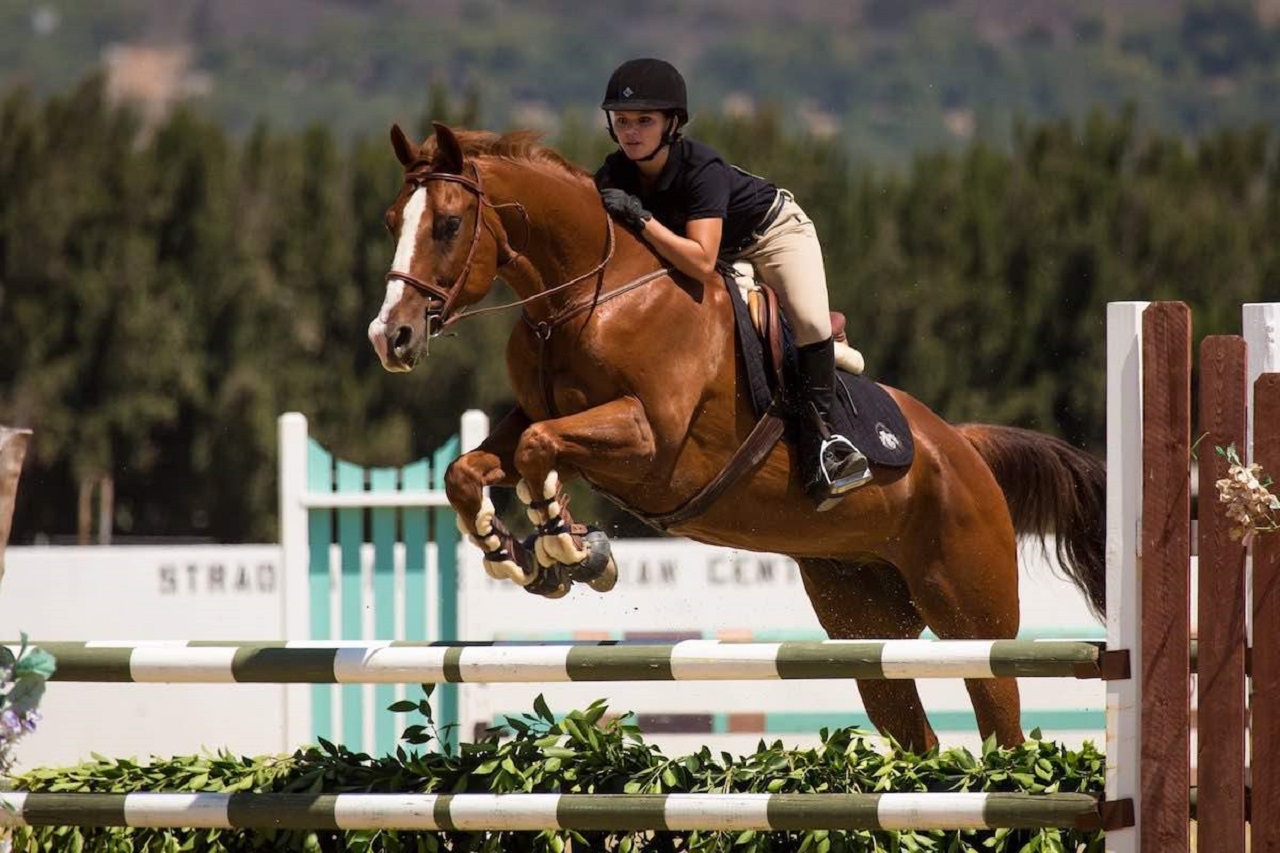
(568, 236)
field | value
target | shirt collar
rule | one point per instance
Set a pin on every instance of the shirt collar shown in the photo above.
(675, 161)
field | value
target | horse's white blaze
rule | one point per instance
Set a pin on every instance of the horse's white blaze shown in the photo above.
(403, 261)
(395, 290)
(413, 210)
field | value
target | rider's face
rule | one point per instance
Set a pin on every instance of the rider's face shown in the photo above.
(639, 133)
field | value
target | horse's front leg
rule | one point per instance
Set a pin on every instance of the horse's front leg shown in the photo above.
(491, 464)
(613, 440)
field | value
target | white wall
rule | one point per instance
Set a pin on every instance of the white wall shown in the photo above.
(144, 593)
(667, 587)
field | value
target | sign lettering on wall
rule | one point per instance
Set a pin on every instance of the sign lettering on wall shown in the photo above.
(218, 578)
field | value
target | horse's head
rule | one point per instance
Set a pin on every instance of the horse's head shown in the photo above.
(447, 250)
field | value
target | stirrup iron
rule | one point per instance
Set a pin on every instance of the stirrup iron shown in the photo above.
(858, 474)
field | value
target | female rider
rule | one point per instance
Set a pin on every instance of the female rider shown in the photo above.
(693, 208)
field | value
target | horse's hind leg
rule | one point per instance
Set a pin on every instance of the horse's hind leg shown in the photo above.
(971, 592)
(872, 601)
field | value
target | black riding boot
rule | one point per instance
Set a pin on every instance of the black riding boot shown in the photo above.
(829, 463)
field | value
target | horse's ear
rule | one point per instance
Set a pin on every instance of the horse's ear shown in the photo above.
(406, 151)
(448, 150)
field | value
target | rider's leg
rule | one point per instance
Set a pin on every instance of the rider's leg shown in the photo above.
(789, 259)
(832, 465)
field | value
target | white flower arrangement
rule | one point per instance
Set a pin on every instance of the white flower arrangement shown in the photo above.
(1250, 505)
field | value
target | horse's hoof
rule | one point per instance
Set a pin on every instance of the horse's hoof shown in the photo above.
(551, 582)
(599, 569)
(552, 592)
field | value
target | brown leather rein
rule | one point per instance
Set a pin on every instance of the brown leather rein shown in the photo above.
(442, 317)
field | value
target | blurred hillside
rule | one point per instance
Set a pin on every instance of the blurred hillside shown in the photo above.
(893, 76)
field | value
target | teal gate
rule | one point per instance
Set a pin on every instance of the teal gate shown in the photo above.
(370, 554)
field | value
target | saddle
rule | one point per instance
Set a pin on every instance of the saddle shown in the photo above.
(866, 414)
(767, 320)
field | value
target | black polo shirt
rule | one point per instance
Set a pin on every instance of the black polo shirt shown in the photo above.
(696, 183)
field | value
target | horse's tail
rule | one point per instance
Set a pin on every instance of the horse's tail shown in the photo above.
(1052, 488)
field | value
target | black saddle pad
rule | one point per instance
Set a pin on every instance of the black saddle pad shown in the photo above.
(872, 420)
(866, 415)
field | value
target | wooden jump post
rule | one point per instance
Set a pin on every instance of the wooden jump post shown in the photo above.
(1150, 446)
(13, 447)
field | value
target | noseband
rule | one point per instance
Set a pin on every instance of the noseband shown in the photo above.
(441, 317)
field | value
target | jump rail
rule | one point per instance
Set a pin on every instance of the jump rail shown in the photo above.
(404, 662)
(618, 812)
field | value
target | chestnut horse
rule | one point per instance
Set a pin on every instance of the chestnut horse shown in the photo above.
(627, 374)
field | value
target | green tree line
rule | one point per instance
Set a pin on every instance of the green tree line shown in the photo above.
(167, 292)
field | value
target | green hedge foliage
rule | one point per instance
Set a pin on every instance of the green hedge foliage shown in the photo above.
(588, 751)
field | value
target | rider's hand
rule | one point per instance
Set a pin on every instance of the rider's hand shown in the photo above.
(625, 207)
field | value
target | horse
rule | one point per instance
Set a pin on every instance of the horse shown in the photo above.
(627, 373)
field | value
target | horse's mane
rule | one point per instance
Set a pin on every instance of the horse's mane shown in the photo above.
(523, 146)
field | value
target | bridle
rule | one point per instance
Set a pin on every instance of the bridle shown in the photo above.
(442, 298)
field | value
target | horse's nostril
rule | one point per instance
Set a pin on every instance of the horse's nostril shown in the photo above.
(400, 339)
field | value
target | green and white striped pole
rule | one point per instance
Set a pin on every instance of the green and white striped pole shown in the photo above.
(584, 812)
(390, 662)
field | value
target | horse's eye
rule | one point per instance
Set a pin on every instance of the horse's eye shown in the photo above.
(447, 228)
(389, 220)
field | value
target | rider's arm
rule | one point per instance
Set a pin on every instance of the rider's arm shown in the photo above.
(694, 255)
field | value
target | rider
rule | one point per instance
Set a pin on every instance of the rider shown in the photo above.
(694, 208)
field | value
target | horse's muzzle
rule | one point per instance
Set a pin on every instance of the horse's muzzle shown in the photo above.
(400, 343)
(394, 346)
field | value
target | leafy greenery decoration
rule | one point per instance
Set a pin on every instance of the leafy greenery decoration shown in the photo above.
(582, 752)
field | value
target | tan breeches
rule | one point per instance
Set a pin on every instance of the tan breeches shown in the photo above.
(788, 257)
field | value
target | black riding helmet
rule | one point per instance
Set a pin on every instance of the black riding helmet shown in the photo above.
(647, 84)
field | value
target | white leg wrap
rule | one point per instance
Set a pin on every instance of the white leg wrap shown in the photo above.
(558, 548)
(540, 551)
(561, 547)
(525, 494)
(484, 518)
(508, 570)
(486, 540)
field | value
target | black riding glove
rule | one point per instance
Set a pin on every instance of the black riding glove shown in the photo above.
(625, 207)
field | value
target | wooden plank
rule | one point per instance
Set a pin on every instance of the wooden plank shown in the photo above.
(1222, 604)
(447, 537)
(13, 447)
(1165, 574)
(415, 476)
(320, 584)
(382, 529)
(1265, 700)
(351, 539)
(1124, 608)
